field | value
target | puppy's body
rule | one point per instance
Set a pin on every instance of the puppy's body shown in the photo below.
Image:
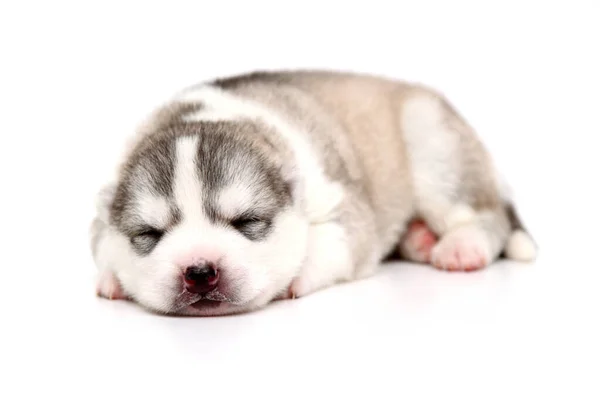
(295, 181)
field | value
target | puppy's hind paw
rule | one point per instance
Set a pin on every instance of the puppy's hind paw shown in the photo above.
(465, 249)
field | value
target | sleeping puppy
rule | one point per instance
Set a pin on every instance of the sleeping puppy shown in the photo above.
(247, 189)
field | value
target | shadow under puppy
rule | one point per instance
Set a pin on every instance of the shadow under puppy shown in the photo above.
(269, 185)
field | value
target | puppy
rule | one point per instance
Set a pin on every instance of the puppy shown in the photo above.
(268, 185)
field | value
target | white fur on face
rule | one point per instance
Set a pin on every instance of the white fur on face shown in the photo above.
(253, 272)
(187, 189)
(153, 209)
(236, 198)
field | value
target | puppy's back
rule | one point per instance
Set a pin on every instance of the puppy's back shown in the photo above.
(353, 121)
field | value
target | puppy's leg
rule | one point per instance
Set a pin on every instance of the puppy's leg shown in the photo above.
(456, 187)
(328, 261)
(341, 250)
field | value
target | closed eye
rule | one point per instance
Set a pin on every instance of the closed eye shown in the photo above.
(252, 227)
(146, 239)
(150, 232)
(243, 222)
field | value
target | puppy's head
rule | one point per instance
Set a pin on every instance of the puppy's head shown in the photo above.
(202, 220)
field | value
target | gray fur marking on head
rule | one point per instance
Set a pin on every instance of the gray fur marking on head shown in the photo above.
(227, 153)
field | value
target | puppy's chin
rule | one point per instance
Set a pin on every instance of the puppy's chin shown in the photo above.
(174, 300)
(213, 308)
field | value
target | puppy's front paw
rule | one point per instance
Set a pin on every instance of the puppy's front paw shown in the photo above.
(108, 286)
(465, 249)
(295, 289)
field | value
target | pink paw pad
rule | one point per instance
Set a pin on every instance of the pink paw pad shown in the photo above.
(418, 241)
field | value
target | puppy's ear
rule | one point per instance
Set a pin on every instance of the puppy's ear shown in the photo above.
(317, 198)
(107, 284)
(104, 199)
(100, 223)
(294, 183)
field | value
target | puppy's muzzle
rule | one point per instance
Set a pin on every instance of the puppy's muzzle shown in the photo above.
(201, 278)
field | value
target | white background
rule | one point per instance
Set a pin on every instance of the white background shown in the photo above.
(75, 79)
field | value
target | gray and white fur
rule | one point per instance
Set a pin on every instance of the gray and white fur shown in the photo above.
(290, 182)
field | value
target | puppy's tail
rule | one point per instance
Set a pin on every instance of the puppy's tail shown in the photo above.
(520, 245)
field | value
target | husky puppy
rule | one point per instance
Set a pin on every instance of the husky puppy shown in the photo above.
(269, 185)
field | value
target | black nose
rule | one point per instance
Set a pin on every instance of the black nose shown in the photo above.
(201, 278)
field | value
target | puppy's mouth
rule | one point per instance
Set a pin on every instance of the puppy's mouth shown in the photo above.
(204, 304)
(208, 302)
